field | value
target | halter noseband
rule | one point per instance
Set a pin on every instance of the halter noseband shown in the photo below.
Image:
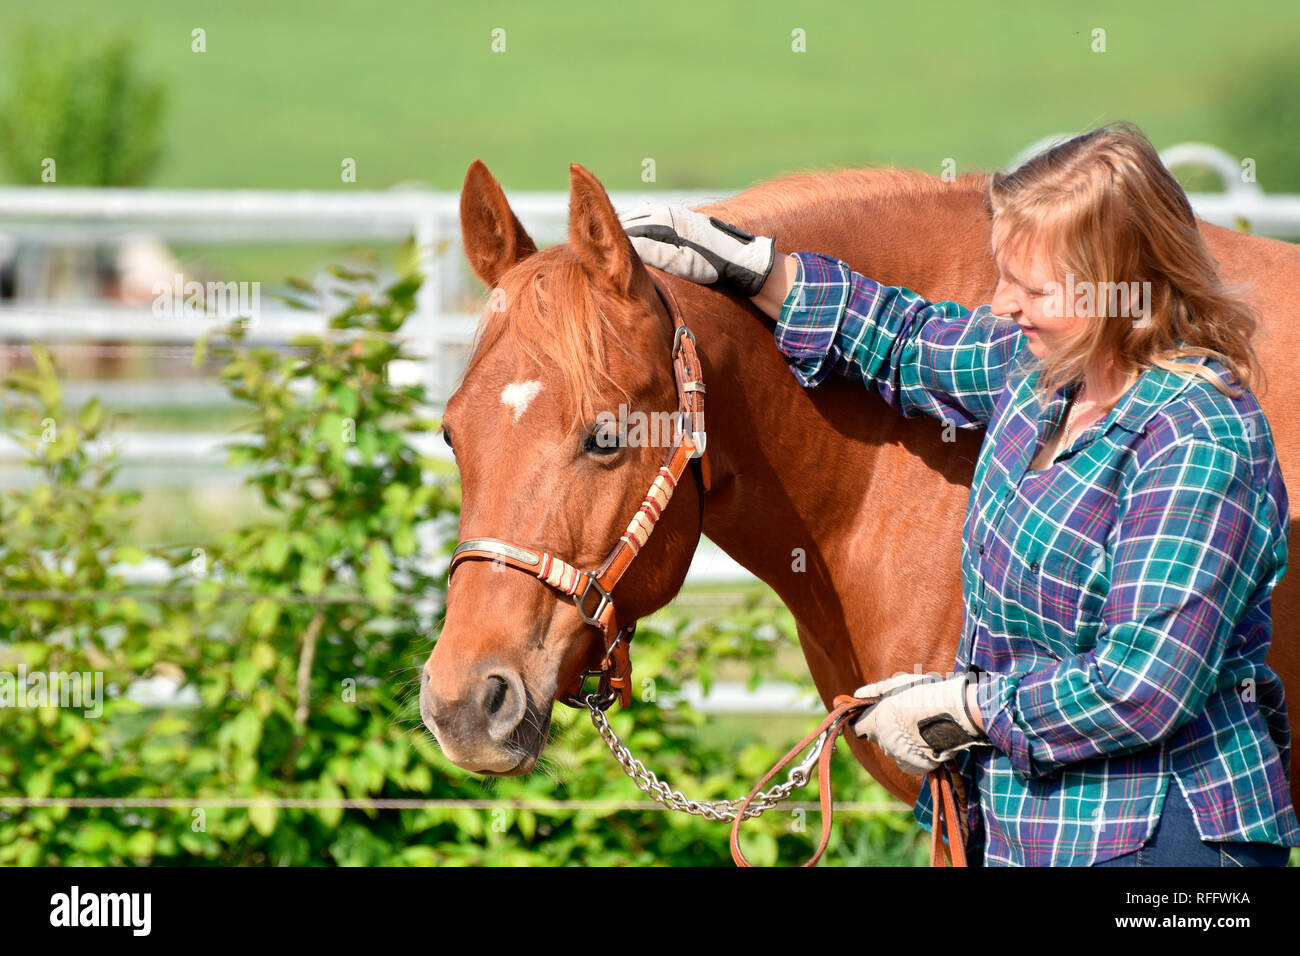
(616, 665)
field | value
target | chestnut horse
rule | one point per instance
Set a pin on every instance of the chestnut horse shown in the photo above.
(873, 502)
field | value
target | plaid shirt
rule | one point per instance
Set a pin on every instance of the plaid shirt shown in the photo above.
(1118, 601)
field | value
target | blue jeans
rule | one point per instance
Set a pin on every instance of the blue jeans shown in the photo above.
(1175, 842)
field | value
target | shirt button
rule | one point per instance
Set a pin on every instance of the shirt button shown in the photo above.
(1034, 567)
(981, 548)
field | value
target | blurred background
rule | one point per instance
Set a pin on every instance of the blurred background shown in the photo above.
(232, 301)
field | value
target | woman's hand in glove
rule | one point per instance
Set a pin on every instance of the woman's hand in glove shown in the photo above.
(920, 720)
(700, 248)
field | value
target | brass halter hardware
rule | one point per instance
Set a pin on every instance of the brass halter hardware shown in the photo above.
(586, 588)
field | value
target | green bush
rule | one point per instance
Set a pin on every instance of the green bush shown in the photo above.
(82, 103)
(300, 638)
(60, 542)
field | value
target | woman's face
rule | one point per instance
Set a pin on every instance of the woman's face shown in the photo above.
(1030, 293)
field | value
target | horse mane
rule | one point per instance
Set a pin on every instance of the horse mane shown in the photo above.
(552, 315)
(777, 202)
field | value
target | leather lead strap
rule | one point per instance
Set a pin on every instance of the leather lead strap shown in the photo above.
(945, 814)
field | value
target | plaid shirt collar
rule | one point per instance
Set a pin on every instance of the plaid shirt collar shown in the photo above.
(1155, 388)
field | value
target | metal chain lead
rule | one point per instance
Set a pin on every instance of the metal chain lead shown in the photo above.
(718, 810)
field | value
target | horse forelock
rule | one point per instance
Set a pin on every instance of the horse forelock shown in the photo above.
(546, 312)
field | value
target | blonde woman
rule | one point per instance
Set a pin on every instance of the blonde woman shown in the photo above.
(1127, 523)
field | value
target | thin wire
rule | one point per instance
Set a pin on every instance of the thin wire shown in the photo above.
(177, 596)
(294, 803)
(716, 599)
(173, 351)
(90, 343)
(182, 351)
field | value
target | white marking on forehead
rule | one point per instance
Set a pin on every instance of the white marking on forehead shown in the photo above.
(518, 394)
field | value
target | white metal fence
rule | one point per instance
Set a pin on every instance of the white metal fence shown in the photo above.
(440, 332)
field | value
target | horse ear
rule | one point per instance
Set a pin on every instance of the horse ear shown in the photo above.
(606, 252)
(494, 238)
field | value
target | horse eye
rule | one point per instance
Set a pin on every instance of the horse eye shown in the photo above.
(601, 440)
(446, 436)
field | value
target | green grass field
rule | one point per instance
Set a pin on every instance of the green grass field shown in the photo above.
(713, 93)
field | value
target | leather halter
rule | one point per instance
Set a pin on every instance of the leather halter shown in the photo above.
(583, 587)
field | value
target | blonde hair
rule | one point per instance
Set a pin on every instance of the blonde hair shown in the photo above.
(1105, 210)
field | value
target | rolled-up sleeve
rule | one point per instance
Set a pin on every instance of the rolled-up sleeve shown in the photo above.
(1195, 541)
(939, 359)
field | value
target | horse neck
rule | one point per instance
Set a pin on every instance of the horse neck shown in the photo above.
(801, 475)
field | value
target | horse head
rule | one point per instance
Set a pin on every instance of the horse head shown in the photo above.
(573, 345)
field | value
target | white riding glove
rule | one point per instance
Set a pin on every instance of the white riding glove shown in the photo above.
(921, 719)
(701, 248)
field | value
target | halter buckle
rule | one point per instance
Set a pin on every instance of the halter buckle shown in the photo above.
(680, 331)
(602, 698)
(580, 600)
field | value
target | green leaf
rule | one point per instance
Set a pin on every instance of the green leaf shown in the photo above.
(262, 816)
(244, 675)
(263, 655)
(407, 263)
(47, 378)
(330, 816)
(404, 541)
(351, 275)
(140, 844)
(245, 730)
(311, 577)
(130, 554)
(92, 416)
(275, 552)
(64, 444)
(348, 400)
(262, 617)
(295, 303)
(375, 579)
(527, 822)
(38, 784)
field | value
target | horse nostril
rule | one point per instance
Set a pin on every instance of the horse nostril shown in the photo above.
(498, 694)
